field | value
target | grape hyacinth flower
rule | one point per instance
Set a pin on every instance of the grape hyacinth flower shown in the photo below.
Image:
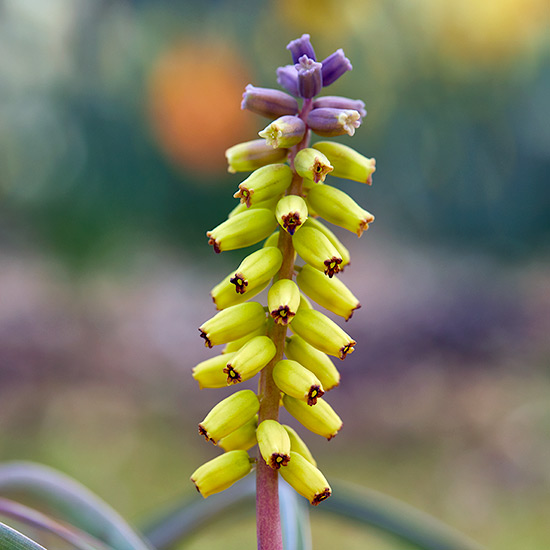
(281, 202)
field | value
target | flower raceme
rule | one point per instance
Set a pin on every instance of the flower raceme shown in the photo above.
(291, 185)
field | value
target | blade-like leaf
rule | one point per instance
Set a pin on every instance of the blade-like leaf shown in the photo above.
(294, 519)
(27, 516)
(395, 517)
(195, 512)
(72, 502)
(14, 540)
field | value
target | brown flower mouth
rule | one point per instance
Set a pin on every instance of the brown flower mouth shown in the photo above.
(291, 222)
(320, 171)
(282, 315)
(213, 242)
(348, 348)
(244, 194)
(240, 283)
(332, 266)
(207, 341)
(233, 377)
(204, 432)
(319, 497)
(276, 460)
(358, 306)
(314, 393)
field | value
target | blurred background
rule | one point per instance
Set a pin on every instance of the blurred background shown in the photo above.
(114, 117)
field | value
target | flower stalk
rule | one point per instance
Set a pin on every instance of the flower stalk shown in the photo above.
(294, 371)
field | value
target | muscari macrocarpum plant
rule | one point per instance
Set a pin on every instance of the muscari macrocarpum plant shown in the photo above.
(282, 201)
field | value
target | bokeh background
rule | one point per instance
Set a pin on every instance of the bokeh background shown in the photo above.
(114, 116)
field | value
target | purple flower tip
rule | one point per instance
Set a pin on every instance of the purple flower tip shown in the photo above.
(287, 77)
(334, 66)
(310, 78)
(301, 46)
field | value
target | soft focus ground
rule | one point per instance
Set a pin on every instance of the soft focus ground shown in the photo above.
(445, 401)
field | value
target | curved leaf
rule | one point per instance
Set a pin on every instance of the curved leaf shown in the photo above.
(195, 512)
(23, 514)
(72, 502)
(294, 519)
(393, 516)
(14, 540)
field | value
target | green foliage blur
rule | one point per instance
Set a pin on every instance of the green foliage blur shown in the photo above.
(458, 116)
(114, 118)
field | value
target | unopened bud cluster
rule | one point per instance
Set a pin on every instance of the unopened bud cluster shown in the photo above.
(288, 342)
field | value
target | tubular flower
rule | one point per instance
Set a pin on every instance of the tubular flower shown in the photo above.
(330, 122)
(267, 102)
(286, 131)
(339, 208)
(297, 445)
(343, 252)
(291, 213)
(232, 323)
(251, 155)
(332, 294)
(347, 162)
(209, 373)
(221, 472)
(250, 359)
(264, 184)
(283, 201)
(293, 379)
(242, 230)
(257, 269)
(312, 164)
(229, 414)
(236, 345)
(338, 102)
(274, 444)
(242, 438)
(320, 419)
(316, 361)
(283, 301)
(306, 479)
(322, 333)
(317, 250)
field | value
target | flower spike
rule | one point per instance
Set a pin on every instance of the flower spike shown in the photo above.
(287, 342)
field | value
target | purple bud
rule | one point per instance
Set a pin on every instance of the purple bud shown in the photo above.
(268, 102)
(338, 102)
(310, 78)
(334, 66)
(287, 77)
(329, 122)
(301, 46)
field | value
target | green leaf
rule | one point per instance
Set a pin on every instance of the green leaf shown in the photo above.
(393, 516)
(71, 501)
(32, 518)
(294, 519)
(194, 513)
(14, 540)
